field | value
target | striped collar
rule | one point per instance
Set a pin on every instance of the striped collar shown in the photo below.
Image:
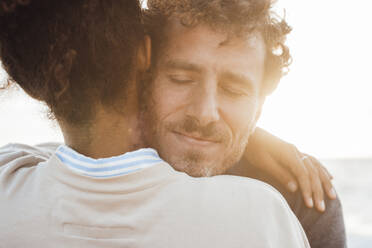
(108, 167)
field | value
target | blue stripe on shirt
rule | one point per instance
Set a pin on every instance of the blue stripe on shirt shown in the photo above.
(66, 155)
(142, 152)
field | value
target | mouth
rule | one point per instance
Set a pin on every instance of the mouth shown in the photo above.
(196, 140)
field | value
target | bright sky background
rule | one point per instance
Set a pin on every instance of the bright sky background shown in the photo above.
(323, 106)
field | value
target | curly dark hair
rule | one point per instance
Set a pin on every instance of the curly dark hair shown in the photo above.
(71, 54)
(235, 17)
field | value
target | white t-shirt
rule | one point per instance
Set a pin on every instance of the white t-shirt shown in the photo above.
(43, 203)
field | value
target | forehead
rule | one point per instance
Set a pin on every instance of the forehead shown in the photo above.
(209, 48)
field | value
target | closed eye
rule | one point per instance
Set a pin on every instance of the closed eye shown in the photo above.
(181, 79)
(236, 84)
(234, 92)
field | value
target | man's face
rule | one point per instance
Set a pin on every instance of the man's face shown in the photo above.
(205, 98)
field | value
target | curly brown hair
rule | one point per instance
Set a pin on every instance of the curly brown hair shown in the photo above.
(71, 54)
(235, 17)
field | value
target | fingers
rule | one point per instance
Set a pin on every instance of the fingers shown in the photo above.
(327, 184)
(325, 178)
(316, 161)
(302, 173)
(312, 177)
(283, 175)
(316, 184)
(292, 169)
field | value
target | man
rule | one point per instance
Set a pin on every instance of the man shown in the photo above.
(93, 192)
(212, 70)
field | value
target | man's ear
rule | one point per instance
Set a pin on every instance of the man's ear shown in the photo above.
(144, 54)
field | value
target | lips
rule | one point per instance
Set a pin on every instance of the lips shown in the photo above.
(193, 138)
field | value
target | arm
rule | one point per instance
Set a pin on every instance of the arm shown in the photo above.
(271, 165)
(289, 167)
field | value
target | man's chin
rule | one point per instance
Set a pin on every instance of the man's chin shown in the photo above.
(203, 172)
(198, 169)
(197, 163)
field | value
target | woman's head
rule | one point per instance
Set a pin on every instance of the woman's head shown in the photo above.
(71, 54)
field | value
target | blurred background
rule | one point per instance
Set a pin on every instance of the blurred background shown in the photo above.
(323, 106)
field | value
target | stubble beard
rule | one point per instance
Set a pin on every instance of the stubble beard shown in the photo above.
(196, 164)
(192, 162)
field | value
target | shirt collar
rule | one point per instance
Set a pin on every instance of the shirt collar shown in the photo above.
(108, 167)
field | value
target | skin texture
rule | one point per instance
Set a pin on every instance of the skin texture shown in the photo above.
(293, 169)
(202, 82)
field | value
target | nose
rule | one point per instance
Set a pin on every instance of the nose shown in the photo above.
(203, 105)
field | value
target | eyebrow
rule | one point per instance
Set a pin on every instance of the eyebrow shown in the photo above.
(183, 65)
(237, 78)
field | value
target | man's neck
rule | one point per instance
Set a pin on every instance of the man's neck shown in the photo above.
(110, 134)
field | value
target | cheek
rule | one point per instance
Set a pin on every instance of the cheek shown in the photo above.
(168, 99)
(240, 117)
